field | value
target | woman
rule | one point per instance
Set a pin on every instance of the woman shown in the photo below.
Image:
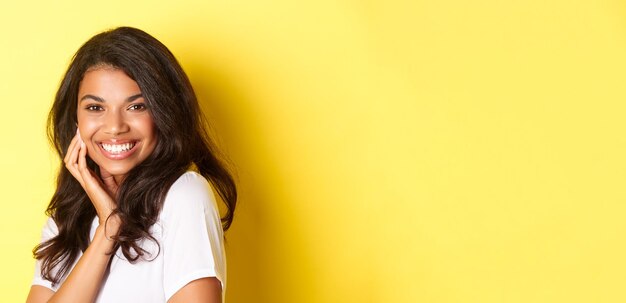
(133, 218)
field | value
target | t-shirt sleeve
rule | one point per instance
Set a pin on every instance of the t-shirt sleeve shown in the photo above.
(192, 243)
(49, 231)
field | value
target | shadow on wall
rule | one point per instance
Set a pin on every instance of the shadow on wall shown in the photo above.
(270, 255)
(233, 127)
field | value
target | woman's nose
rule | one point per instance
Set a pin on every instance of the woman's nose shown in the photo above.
(115, 124)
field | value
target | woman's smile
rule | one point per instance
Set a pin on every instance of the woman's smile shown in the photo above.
(118, 151)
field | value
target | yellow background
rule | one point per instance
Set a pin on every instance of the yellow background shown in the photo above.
(387, 151)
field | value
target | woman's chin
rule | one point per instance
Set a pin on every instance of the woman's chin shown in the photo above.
(116, 172)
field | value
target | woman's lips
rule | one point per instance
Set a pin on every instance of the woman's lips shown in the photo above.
(118, 155)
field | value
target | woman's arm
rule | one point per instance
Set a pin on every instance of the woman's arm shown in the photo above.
(38, 294)
(206, 290)
(83, 282)
(85, 279)
(86, 276)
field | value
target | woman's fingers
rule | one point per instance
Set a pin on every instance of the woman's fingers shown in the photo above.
(82, 161)
(70, 149)
(89, 180)
(71, 159)
(100, 194)
(109, 182)
(100, 198)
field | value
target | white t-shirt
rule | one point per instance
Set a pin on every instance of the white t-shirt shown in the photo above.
(190, 235)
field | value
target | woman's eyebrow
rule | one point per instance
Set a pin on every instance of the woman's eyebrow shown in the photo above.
(134, 97)
(95, 98)
(98, 99)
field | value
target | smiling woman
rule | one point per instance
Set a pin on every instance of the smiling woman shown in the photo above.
(134, 217)
(114, 121)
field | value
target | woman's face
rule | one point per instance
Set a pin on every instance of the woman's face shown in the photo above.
(114, 121)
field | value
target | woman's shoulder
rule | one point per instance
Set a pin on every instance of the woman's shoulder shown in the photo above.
(190, 192)
(190, 183)
(49, 229)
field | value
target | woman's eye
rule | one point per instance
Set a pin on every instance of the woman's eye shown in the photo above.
(139, 106)
(93, 108)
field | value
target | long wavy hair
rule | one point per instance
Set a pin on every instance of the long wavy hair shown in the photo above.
(183, 143)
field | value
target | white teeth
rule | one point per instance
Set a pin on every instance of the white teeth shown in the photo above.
(117, 148)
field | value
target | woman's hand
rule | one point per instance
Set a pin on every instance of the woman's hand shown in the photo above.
(101, 192)
(85, 278)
